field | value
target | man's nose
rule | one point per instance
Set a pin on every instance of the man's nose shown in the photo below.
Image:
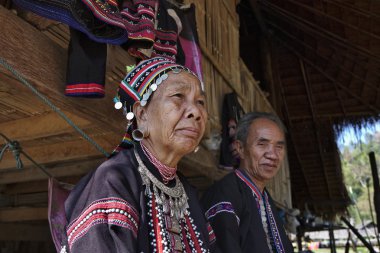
(271, 152)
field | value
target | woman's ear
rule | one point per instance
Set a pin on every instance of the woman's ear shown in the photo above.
(140, 113)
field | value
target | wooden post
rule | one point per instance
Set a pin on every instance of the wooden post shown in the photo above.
(300, 233)
(361, 238)
(332, 238)
(376, 187)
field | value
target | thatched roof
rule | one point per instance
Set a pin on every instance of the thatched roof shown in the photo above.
(325, 59)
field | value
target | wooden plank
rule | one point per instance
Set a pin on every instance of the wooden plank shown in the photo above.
(22, 101)
(75, 168)
(35, 186)
(24, 232)
(62, 151)
(41, 126)
(23, 214)
(45, 70)
(30, 199)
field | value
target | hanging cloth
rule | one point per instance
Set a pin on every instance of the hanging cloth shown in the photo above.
(231, 113)
(58, 193)
(86, 66)
(105, 27)
(145, 28)
(188, 49)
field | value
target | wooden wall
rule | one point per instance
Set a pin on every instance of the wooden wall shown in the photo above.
(224, 71)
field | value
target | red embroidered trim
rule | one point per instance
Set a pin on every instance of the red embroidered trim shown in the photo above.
(113, 211)
(211, 234)
(187, 248)
(73, 89)
(130, 91)
(165, 48)
(192, 234)
(156, 226)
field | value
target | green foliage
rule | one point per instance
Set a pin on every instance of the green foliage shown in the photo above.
(357, 173)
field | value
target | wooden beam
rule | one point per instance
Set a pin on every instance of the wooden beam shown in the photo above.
(321, 32)
(316, 11)
(61, 151)
(306, 29)
(18, 99)
(30, 199)
(35, 186)
(41, 126)
(20, 214)
(352, 7)
(24, 232)
(374, 108)
(74, 168)
(316, 131)
(286, 113)
(45, 70)
(328, 115)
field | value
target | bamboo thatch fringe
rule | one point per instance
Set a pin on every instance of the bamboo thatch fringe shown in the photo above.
(357, 123)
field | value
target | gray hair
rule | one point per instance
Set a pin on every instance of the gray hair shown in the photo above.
(242, 129)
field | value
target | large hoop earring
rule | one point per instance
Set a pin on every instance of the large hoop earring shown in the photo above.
(138, 135)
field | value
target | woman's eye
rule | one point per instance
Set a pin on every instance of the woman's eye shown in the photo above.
(201, 102)
(178, 95)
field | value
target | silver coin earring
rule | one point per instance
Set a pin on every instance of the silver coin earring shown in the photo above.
(196, 149)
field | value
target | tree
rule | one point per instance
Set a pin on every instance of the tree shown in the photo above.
(357, 172)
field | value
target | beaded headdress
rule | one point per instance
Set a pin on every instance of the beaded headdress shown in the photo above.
(144, 79)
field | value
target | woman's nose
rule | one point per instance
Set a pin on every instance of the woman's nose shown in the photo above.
(193, 111)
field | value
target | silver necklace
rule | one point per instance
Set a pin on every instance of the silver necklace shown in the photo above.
(264, 222)
(173, 200)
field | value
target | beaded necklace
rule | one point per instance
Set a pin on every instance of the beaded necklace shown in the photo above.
(167, 173)
(172, 228)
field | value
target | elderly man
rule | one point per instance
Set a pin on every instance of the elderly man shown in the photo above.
(239, 208)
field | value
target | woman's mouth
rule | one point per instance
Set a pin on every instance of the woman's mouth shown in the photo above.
(191, 132)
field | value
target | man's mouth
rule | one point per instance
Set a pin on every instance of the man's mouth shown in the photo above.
(270, 165)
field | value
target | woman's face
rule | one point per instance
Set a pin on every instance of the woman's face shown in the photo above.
(176, 115)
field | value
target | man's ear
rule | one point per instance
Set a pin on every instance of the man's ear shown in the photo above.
(140, 113)
(239, 147)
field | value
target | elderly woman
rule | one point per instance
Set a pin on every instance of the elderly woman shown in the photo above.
(135, 201)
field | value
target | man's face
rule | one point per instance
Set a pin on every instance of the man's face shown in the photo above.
(263, 152)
